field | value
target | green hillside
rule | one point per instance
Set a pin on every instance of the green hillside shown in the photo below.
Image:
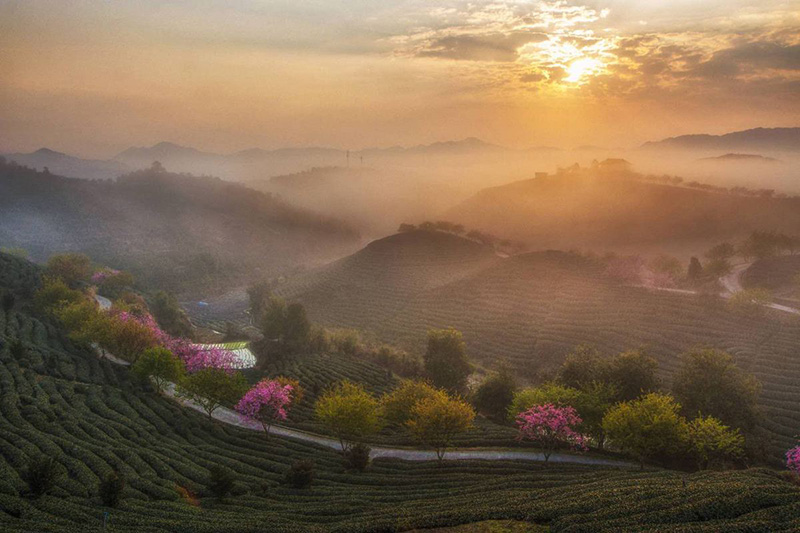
(88, 415)
(174, 231)
(529, 311)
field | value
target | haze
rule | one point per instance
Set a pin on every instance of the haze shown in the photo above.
(92, 78)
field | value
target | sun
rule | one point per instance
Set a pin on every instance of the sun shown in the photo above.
(582, 68)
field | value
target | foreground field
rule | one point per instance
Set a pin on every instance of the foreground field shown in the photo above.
(90, 417)
(529, 311)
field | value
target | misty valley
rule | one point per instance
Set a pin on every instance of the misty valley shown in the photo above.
(364, 267)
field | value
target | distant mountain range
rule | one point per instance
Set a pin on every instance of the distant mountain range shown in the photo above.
(739, 158)
(757, 139)
(256, 163)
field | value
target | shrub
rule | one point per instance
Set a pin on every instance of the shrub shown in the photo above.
(357, 457)
(300, 474)
(220, 481)
(42, 474)
(110, 489)
(71, 268)
(793, 459)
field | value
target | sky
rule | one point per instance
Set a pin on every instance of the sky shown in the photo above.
(93, 77)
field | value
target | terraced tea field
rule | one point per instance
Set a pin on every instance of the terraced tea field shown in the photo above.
(528, 311)
(91, 417)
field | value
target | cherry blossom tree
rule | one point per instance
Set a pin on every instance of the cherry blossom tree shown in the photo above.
(551, 427)
(793, 459)
(266, 403)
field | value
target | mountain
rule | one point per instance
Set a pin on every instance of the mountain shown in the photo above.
(528, 311)
(179, 231)
(611, 207)
(70, 166)
(739, 158)
(757, 139)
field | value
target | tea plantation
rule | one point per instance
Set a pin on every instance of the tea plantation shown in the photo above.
(62, 402)
(529, 311)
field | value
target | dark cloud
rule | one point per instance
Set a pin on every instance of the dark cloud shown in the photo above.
(749, 57)
(491, 47)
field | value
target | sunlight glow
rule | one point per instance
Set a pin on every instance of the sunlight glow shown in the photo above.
(581, 69)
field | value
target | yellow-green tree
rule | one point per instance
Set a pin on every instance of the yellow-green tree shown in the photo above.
(159, 365)
(212, 387)
(711, 442)
(648, 427)
(348, 412)
(446, 360)
(436, 420)
(71, 268)
(398, 404)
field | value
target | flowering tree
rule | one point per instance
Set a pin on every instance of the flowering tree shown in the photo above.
(195, 357)
(267, 402)
(793, 459)
(551, 427)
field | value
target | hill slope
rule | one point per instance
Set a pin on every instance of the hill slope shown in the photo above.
(529, 311)
(179, 230)
(753, 139)
(70, 166)
(596, 211)
(87, 414)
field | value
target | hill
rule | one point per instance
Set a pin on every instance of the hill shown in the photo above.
(177, 230)
(739, 158)
(598, 209)
(70, 166)
(756, 139)
(528, 311)
(90, 417)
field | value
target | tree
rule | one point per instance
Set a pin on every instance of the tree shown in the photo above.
(584, 365)
(7, 300)
(495, 394)
(793, 459)
(547, 393)
(632, 373)
(668, 266)
(710, 442)
(110, 488)
(551, 427)
(718, 268)
(212, 387)
(128, 339)
(42, 474)
(436, 420)
(259, 295)
(405, 228)
(70, 268)
(648, 427)
(357, 457)
(111, 282)
(266, 403)
(593, 403)
(53, 294)
(398, 403)
(170, 316)
(160, 365)
(724, 251)
(709, 382)
(296, 328)
(446, 359)
(220, 482)
(348, 412)
(695, 271)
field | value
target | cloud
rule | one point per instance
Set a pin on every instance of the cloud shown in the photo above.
(492, 47)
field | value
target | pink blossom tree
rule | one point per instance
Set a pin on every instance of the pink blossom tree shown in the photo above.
(550, 428)
(193, 356)
(266, 403)
(793, 459)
